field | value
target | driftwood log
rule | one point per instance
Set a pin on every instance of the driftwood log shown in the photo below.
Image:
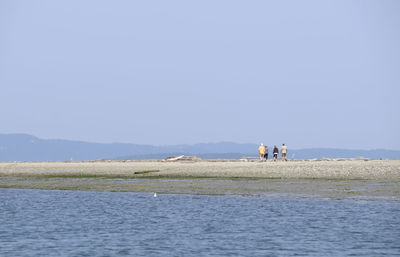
(182, 158)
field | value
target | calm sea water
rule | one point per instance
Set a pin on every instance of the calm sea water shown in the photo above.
(79, 223)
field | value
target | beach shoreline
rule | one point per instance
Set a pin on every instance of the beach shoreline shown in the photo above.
(347, 169)
(350, 179)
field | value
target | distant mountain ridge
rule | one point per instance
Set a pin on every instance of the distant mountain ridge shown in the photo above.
(24, 147)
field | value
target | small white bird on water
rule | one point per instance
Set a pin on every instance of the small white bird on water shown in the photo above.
(155, 194)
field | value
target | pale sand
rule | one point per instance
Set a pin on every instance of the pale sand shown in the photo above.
(373, 180)
(349, 169)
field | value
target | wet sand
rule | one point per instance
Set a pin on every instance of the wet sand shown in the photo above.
(359, 179)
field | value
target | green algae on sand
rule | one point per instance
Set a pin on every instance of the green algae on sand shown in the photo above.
(353, 189)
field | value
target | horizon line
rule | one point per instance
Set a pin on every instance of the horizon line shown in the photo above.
(193, 144)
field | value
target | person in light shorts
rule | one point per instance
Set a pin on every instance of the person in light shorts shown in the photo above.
(284, 152)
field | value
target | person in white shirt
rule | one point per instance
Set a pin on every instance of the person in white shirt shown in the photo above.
(284, 152)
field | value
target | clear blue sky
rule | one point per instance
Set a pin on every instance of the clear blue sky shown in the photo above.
(304, 73)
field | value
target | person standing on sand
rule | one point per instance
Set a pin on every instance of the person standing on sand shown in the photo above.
(261, 151)
(284, 152)
(276, 151)
(266, 153)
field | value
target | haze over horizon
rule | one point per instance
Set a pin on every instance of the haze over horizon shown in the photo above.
(270, 145)
(304, 73)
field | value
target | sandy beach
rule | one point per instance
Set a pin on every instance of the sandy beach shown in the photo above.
(334, 179)
(346, 169)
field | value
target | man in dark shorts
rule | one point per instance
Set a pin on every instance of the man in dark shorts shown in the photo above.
(266, 153)
(276, 152)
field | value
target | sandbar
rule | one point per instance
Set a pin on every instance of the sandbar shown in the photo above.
(338, 179)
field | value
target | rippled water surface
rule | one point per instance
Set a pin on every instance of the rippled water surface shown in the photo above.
(79, 223)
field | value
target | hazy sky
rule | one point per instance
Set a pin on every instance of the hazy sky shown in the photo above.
(304, 73)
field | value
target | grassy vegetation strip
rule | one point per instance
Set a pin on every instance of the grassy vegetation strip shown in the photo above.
(336, 189)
